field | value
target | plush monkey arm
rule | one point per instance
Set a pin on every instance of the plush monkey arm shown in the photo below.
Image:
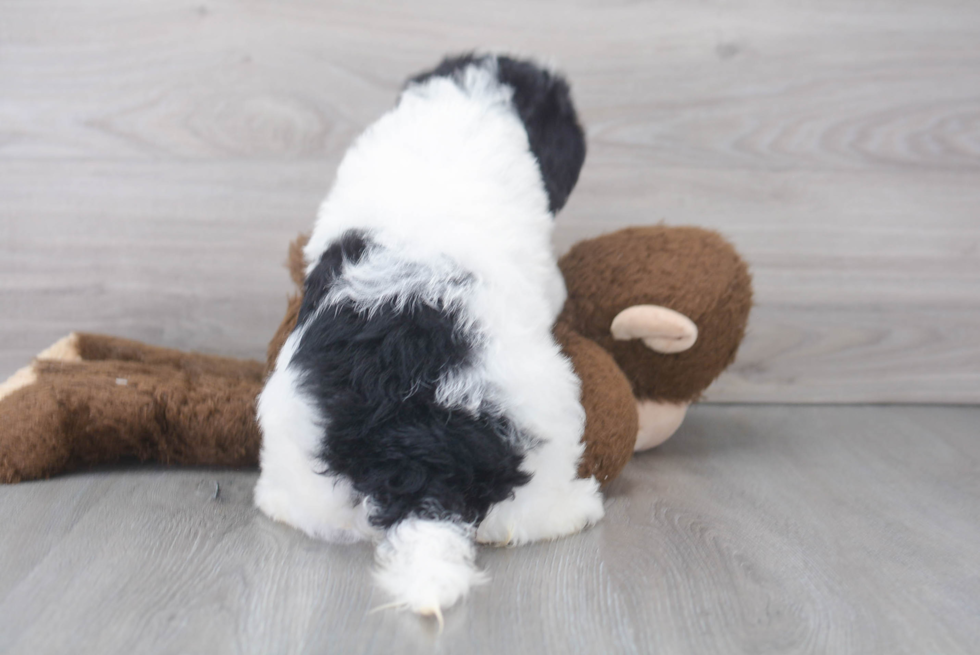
(610, 412)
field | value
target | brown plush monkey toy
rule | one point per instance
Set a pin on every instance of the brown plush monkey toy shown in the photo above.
(653, 316)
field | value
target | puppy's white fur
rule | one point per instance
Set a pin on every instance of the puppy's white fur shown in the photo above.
(444, 181)
(427, 565)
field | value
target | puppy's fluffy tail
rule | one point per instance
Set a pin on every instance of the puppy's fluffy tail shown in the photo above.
(427, 565)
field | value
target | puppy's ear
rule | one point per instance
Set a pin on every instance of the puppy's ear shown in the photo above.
(662, 330)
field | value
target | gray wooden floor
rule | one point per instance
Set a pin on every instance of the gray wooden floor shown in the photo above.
(756, 529)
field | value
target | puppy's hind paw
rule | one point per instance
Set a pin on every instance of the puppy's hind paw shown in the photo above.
(536, 514)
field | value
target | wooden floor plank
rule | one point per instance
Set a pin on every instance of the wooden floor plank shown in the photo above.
(755, 529)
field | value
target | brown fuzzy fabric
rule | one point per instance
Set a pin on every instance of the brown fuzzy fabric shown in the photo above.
(297, 271)
(611, 421)
(293, 304)
(687, 269)
(99, 347)
(79, 414)
(129, 400)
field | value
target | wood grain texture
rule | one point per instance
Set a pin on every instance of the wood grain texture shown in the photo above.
(755, 529)
(156, 157)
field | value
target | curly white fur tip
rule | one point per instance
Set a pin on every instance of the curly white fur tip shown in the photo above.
(426, 565)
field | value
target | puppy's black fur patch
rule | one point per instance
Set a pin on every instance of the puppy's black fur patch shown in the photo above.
(373, 376)
(348, 248)
(449, 67)
(544, 104)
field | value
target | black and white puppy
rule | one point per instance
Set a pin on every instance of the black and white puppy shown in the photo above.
(422, 400)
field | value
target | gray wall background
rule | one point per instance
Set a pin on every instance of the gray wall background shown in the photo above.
(156, 157)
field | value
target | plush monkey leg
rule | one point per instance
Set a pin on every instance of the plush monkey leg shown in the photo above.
(62, 413)
(91, 399)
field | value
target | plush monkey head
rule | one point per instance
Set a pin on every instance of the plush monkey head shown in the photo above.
(670, 304)
(653, 316)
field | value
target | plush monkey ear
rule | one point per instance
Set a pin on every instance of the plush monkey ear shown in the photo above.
(662, 330)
